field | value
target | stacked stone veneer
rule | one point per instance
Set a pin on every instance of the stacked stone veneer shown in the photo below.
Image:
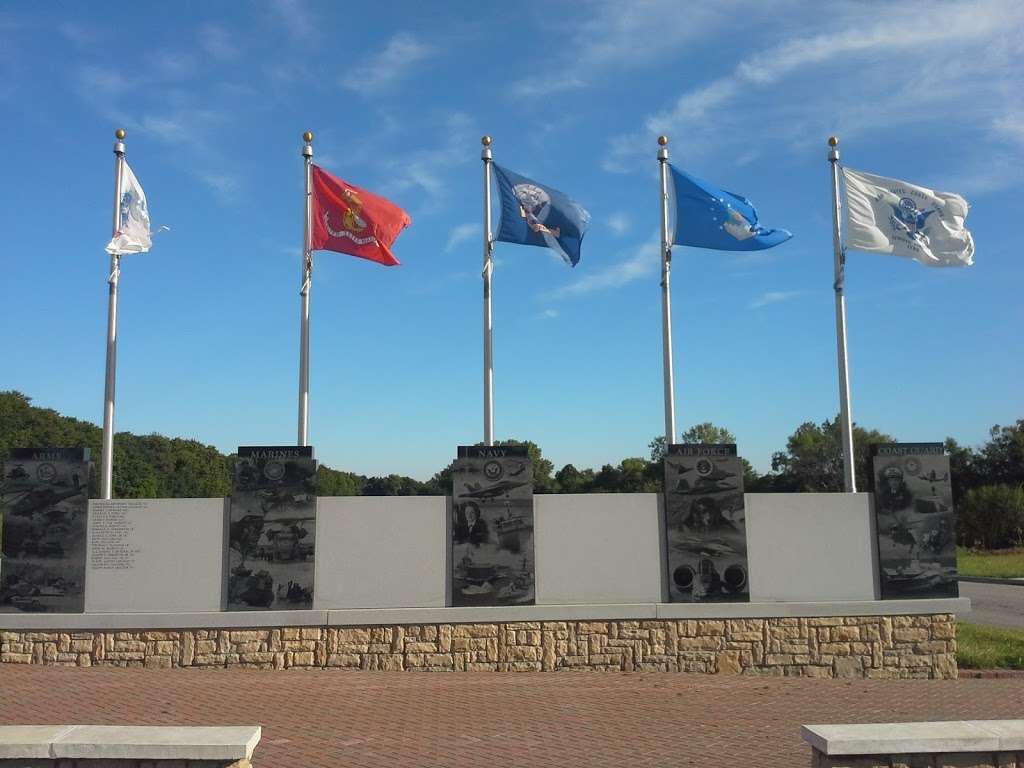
(859, 646)
(920, 760)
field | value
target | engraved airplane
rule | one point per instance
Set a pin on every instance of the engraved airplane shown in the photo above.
(474, 491)
(716, 547)
(710, 478)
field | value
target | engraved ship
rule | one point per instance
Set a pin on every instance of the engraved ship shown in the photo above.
(513, 529)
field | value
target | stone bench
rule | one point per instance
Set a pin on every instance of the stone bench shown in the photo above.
(116, 746)
(953, 744)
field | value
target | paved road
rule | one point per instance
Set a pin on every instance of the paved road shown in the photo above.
(994, 605)
(565, 719)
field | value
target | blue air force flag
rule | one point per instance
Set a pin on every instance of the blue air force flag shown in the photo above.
(132, 235)
(891, 216)
(533, 214)
(709, 217)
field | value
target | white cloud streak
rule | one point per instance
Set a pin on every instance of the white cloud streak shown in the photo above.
(296, 18)
(916, 58)
(774, 297)
(427, 170)
(641, 262)
(613, 36)
(217, 42)
(383, 70)
(619, 223)
(461, 233)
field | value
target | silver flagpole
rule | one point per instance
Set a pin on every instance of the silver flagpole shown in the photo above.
(666, 298)
(107, 451)
(846, 421)
(485, 155)
(307, 279)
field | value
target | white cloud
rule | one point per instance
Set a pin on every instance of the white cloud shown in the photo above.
(224, 185)
(616, 36)
(549, 314)
(694, 105)
(296, 18)
(619, 223)
(217, 42)
(541, 86)
(183, 124)
(81, 35)
(773, 297)
(402, 52)
(170, 129)
(92, 79)
(461, 233)
(173, 65)
(842, 76)
(426, 170)
(642, 261)
(1011, 126)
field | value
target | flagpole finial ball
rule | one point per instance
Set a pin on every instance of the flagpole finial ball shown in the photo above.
(307, 136)
(486, 141)
(833, 141)
(662, 140)
(120, 133)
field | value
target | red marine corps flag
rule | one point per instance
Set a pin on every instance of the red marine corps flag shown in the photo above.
(337, 216)
(351, 220)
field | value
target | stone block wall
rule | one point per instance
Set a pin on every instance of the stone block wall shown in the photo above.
(923, 760)
(858, 646)
(106, 762)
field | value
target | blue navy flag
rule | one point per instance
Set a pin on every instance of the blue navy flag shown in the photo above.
(533, 214)
(709, 217)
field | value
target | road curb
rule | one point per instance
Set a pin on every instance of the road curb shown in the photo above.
(992, 580)
(989, 674)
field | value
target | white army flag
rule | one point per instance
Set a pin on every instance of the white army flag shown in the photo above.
(891, 216)
(132, 235)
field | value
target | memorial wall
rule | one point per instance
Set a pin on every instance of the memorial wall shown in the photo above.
(492, 527)
(42, 557)
(273, 545)
(916, 528)
(705, 523)
(158, 579)
(155, 556)
(272, 529)
(393, 552)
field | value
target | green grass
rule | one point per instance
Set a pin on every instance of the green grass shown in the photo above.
(988, 647)
(996, 563)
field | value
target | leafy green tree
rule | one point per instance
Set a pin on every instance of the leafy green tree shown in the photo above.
(571, 480)
(964, 469)
(608, 479)
(813, 459)
(441, 483)
(1002, 457)
(392, 485)
(707, 433)
(992, 517)
(332, 482)
(639, 476)
(657, 449)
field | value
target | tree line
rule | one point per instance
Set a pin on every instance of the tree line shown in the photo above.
(988, 481)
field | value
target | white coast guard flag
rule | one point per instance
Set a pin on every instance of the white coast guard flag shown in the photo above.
(891, 216)
(133, 235)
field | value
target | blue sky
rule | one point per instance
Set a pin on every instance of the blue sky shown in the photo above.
(215, 96)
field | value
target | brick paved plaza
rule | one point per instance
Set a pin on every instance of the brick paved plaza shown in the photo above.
(333, 718)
